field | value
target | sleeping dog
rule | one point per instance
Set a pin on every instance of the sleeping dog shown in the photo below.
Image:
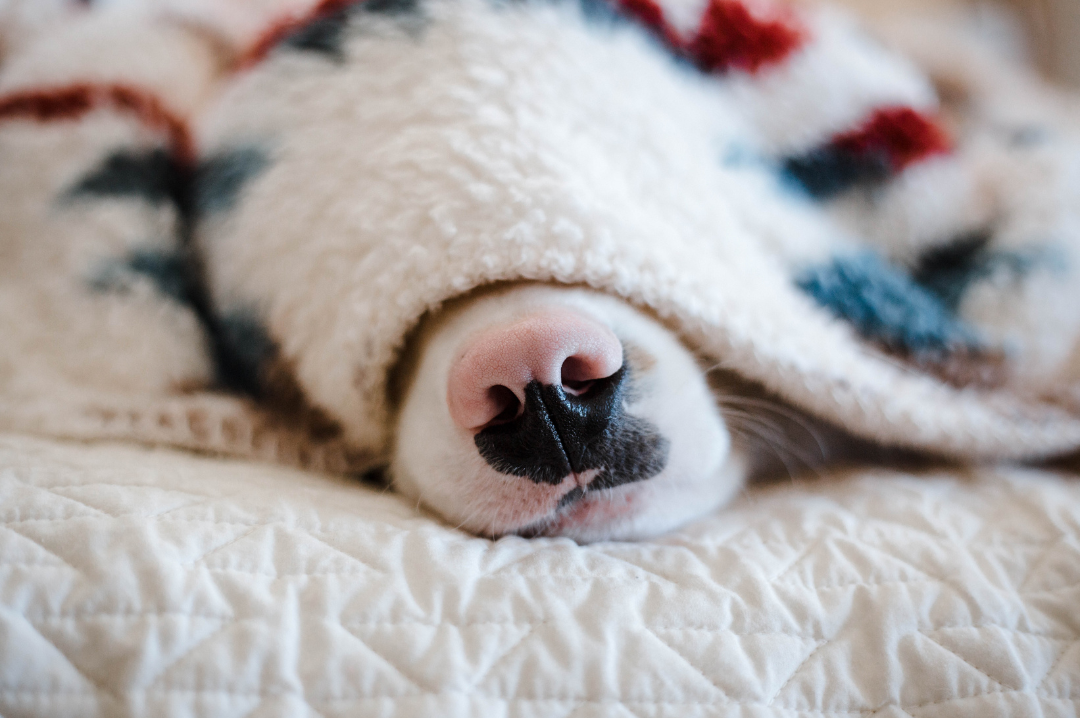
(535, 409)
(541, 410)
(502, 248)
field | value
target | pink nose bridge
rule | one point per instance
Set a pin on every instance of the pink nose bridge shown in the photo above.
(552, 346)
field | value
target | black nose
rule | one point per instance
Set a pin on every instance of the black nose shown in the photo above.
(559, 432)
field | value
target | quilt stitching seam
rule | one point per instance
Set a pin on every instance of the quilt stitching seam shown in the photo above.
(59, 558)
(191, 649)
(696, 669)
(1056, 663)
(772, 700)
(100, 688)
(966, 662)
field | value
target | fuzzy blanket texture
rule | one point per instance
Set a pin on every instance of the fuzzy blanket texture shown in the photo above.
(790, 197)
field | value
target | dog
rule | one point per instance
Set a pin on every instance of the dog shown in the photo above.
(543, 410)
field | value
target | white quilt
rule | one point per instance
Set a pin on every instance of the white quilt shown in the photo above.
(150, 583)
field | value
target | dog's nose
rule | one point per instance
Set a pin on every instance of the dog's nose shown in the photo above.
(558, 348)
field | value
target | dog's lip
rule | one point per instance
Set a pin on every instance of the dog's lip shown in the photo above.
(586, 508)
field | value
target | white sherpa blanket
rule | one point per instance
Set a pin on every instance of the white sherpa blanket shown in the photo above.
(138, 583)
(784, 193)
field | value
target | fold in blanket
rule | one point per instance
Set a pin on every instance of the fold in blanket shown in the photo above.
(194, 249)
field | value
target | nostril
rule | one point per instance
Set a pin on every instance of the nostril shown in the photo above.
(577, 369)
(507, 404)
(487, 382)
(577, 388)
(578, 375)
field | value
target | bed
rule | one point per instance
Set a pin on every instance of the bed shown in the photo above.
(148, 582)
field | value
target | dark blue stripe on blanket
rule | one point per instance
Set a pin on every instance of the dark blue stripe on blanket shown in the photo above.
(885, 305)
(827, 171)
(325, 34)
(152, 175)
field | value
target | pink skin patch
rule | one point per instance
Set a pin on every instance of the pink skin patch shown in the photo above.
(517, 505)
(513, 502)
(554, 347)
(596, 509)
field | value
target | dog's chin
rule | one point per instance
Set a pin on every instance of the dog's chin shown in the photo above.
(611, 514)
(492, 505)
(636, 511)
(704, 473)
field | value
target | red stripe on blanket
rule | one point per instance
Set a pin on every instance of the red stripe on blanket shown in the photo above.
(730, 35)
(286, 26)
(648, 13)
(902, 134)
(734, 37)
(74, 101)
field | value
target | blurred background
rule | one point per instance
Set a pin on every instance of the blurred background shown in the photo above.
(1054, 28)
(1048, 31)
(1045, 33)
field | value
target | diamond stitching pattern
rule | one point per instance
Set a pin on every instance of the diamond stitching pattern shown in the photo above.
(872, 593)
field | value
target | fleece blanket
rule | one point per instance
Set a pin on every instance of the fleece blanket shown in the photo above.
(225, 247)
(155, 583)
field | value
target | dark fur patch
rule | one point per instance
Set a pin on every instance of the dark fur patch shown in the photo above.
(572, 497)
(947, 271)
(559, 433)
(885, 305)
(632, 451)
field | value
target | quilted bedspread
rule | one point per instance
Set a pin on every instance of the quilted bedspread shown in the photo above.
(139, 582)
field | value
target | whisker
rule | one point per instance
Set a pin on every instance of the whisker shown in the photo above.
(792, 415)
(471, 510)
(771, 436)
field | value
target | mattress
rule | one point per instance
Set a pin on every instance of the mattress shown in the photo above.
(139, 582)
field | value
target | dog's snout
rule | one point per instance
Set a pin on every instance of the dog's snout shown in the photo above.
(557, 432)
(549, 410)
(545, 397)
(556, 348)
